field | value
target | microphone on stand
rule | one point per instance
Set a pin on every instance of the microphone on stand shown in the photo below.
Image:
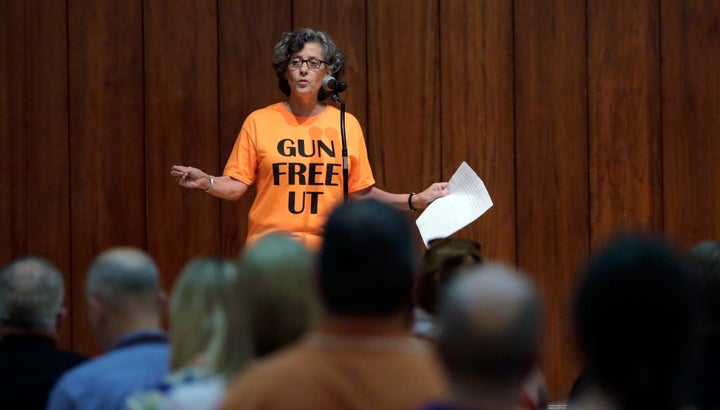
(334, 85)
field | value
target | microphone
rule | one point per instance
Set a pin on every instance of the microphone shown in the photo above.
(334, 85)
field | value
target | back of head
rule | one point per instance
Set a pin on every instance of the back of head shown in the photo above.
(124, 278)
(277, 284)
(367, 260)
(442, 260)
(207, 317)
(31, 294)
(490, 326)
(634, 316)
(705, 259)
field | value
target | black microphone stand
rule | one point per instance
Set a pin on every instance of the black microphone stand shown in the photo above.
(335, 97)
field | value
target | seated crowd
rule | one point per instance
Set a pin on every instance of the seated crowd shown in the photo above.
(365, 324)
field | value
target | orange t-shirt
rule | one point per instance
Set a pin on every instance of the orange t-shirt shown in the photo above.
(329, 370)
(297, 165)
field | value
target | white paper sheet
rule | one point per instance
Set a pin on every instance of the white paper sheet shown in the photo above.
(468, 199)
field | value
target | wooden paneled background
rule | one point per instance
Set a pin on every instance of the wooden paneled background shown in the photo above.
(582, 117)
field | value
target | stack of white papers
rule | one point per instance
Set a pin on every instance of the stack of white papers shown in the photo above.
(468, 199)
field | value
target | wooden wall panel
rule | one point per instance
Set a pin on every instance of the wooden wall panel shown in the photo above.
(35, 152)
(247, 82)
(403, 131)
(624, 114)
(46, 167)
(181, 126)
(551, 166)
(691, 119)
(107, 155)
(13, 144)
(476, 59)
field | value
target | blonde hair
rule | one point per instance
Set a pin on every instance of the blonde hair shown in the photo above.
(207, 318)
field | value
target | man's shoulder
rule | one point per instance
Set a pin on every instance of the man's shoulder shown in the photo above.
(295, 364)
(297, 372)
(110, 363)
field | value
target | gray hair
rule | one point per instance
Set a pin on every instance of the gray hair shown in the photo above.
(292, 43)
(123, 275)
(31, 293)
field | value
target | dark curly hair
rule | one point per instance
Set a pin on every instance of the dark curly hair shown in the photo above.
(441, 263)
(293, 42)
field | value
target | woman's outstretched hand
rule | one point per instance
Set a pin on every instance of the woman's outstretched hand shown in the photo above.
(190, 177)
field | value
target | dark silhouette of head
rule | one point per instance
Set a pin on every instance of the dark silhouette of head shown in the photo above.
(367, 260)
(440, 263)
(635, 318)
(704, 258)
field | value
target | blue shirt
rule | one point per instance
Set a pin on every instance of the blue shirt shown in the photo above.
(137, 362)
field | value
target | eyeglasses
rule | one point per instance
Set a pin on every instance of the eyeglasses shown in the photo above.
(312, 63)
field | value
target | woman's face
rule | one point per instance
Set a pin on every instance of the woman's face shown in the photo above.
(304, 80)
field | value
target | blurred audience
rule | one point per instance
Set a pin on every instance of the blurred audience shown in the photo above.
(705, 259)
(31, 303)
(440, 263)
(124, 303)
(635, 317)
(361, 354)
(443, 261)
(221, 317)
(208, 335)
(489, 338)
(276, 276)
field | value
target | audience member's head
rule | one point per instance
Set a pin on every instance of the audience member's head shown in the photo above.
(442, 260)
(207, 318)
(277, 284)
(635, 316)
(705, 259)
(367, 261)
(123, 292)
(490, 334)
(31, 294)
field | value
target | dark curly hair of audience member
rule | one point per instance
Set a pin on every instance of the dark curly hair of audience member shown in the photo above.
(440, 264)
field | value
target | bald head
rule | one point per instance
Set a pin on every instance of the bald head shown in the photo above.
(490, 324)
(124, 275)
(31, 293)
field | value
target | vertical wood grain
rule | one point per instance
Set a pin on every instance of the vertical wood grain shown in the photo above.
(624, 96)
(107, 157)
(552, 166)
(247, 82)
(181, 126)
(34, 197)
(403, 93)
(476, 65)
(13, 144)
(46, 171)
(691, 119)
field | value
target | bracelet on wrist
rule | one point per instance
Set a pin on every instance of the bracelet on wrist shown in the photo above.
(212, 183)
(410, 205)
